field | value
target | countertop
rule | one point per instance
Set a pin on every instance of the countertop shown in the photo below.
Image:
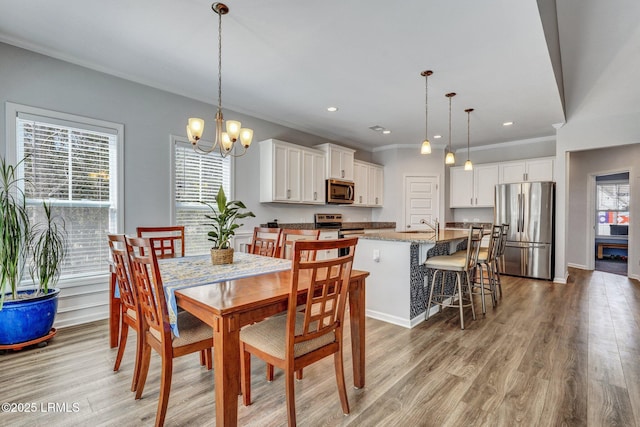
(420, 237)
(311, 225)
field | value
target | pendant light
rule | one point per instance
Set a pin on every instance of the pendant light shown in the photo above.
(426, 145)
(468, 166)
(224, 141)
(450, 159)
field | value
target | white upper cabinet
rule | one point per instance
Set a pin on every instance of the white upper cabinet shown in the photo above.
(313, 182)
(368, 184)
(473, 189)
(360, 183)
(290, 173)
(527, 170)
(339, 161)
(376, 185)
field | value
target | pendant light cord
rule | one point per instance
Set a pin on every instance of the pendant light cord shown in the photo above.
(219, 61)
(426, 106)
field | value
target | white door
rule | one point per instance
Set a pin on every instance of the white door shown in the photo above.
(421, 198)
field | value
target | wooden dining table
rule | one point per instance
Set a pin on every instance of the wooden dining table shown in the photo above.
(230, 305)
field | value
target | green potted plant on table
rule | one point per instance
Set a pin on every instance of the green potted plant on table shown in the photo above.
(26, 315)
(224, 216)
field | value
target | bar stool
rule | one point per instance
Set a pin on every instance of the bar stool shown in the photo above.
(499, 264)
(458, 265)
(487, 258)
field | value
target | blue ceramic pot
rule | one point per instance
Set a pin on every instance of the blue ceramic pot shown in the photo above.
(24, 320)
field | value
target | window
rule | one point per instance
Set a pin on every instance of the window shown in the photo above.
(197, 178)
(73, 163)
(612, 208)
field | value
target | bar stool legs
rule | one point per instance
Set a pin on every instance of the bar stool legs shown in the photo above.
(458, 291)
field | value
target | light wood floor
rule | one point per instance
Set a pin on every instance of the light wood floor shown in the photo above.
(548, 355)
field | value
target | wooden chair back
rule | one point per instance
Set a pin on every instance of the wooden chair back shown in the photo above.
(120, 268)
(289, 236)
(148, 285)
(326, 298)
(167, 242)
(265, 241)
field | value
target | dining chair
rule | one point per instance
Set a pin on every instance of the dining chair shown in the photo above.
(499, 265)
(285, 250)
(130, 311)
(265, 241)
(460, 266)
(167, 241)
(292, 235)
(303, 337)
(487, 258)
(195, 336)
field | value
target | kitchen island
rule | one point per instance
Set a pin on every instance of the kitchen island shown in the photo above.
(395, 288)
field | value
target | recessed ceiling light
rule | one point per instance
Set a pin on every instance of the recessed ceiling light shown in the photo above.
(376, 128)
(386, 131)
(332, 109)
(437, 136)
(507, 123)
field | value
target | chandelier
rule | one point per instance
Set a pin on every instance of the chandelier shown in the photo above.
(426, 145)
(224, 141)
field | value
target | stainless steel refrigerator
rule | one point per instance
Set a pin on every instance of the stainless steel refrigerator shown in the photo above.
(528, 208)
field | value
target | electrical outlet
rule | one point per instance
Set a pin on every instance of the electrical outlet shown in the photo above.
(376, 255)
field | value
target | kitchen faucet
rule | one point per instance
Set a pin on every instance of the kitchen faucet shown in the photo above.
(435, 226)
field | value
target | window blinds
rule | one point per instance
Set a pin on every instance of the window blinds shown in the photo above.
(197, 179)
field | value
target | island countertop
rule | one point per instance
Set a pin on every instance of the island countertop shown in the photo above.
(417, 237)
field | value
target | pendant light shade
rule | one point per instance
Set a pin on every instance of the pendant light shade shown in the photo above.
(450, 159)
(468, 166)
(426, 145)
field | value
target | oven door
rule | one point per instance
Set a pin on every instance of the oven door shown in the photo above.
(348, 233)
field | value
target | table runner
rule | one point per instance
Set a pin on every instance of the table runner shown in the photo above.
(180, 273)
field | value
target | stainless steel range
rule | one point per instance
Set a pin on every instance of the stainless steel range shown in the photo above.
(334, 222)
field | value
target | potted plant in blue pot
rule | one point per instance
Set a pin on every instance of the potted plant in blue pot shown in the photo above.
(27, 314)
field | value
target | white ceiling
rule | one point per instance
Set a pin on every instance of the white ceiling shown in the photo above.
(286, 61)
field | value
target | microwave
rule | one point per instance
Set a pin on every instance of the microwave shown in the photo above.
(339, 192)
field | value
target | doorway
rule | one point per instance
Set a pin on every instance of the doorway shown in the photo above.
(421, 201)
(611, 220)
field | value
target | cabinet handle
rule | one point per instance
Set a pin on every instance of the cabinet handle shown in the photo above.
(476, 200)
(288, 194)
(342, 171)
(360, 199)
(376, 200)
(315, 195)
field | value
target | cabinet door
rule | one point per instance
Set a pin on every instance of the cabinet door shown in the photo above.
(360, 183)
(346, 165)
(327, 254)
(461, 189)
(280, 173)
(484, 183)
(376, 185)
(294, 168)
(540, 170)
(335, 164)
(312, 178)
(512, 172)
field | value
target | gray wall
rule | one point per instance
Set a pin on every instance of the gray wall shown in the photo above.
(149, 116)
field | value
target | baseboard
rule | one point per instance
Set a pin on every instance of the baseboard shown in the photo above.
(395, 320)
(562, 280)
(578, 266)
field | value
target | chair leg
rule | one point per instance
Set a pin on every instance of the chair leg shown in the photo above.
(208, 356)
(473, 310)
(342, 389)
(245, 374)
(122, 343)
(291, 396)
(433, 284)
(269, 372)
(165, 389)
(144, 369)
(299, 374)
(203, 358)
(460, 298)
(136, 369)
(481, 268)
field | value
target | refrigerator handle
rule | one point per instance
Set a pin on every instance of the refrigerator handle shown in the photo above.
(519, 213)
(522, 213)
